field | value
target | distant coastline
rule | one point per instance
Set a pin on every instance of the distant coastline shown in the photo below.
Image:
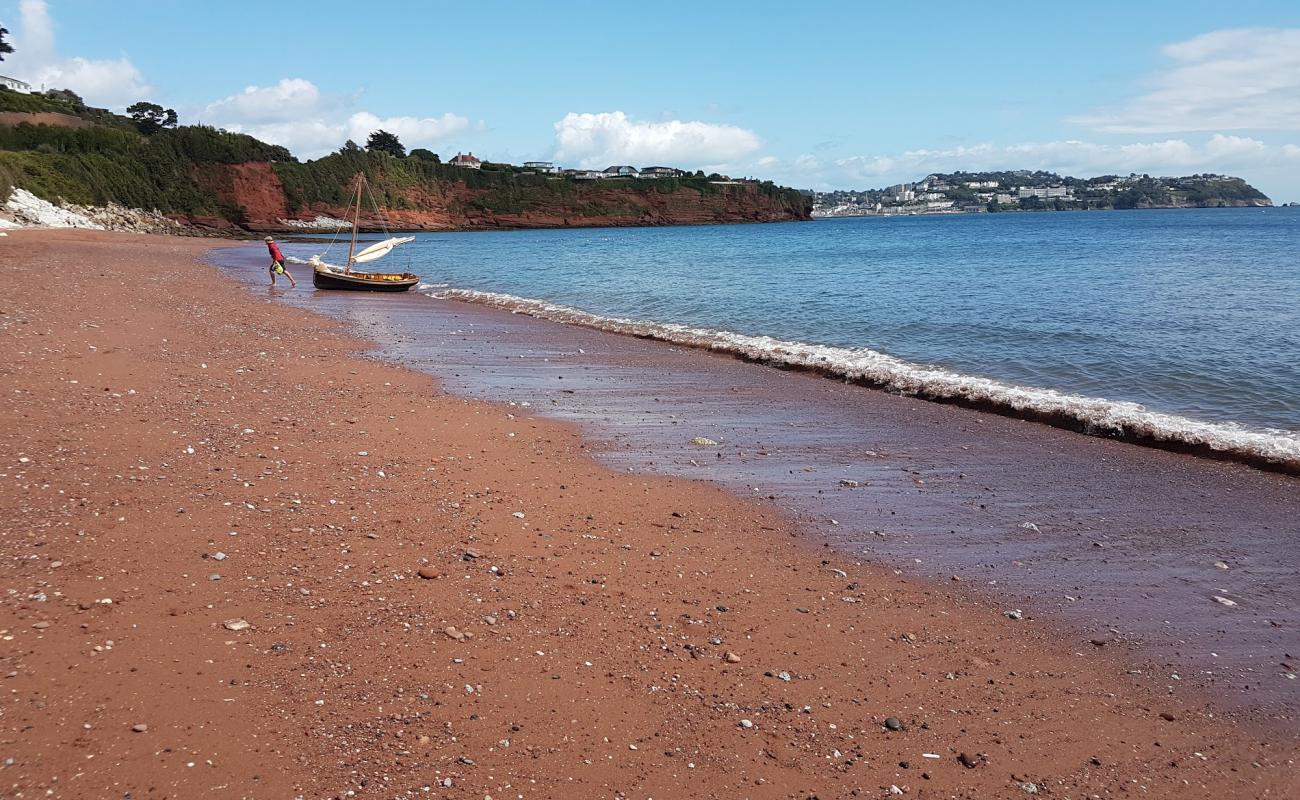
(1024, 190)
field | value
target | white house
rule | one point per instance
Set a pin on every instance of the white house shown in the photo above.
(546, 167)
(660, 172)
(15, 85)
(466, 160)
(622, 171)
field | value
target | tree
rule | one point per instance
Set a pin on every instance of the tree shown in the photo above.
(68, 96)
(381, 141)
(349, 148)
(5, 47)
(151, 117)
(425, 155)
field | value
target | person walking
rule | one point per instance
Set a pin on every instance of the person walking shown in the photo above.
(277, 263)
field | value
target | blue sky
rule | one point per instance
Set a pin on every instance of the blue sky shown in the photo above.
(822, 95)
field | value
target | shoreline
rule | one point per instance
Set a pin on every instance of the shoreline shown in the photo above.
(564, 643)
(935, 490)
(1099, 417)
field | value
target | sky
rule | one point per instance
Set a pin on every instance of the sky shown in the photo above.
(820, 95)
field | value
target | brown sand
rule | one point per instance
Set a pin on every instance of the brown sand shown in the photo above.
(563, 643)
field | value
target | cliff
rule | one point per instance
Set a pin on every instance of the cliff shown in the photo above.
(265, 196)
(216, 180)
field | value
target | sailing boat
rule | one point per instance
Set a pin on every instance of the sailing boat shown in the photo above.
(328, 276)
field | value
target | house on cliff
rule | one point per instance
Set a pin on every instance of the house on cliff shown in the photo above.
(623, 171)
(466, 160)
(15, 85)
(660, 172)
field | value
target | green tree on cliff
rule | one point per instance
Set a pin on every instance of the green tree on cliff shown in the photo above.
(68, 96)
(151, 117)
(425, 155)
(5, 47)
(381, 141)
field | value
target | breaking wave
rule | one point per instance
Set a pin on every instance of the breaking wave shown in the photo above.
(1276, 449)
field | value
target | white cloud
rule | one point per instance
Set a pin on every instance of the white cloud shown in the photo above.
(296, 114)
(290, 99)
(1268, 165)
(1237, 79)
(413, 131)
(598, 140)
(108, 82)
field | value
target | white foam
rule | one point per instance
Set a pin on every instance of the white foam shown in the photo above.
(1092, 414)
(321, 223)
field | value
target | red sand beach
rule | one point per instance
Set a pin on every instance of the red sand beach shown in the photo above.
(240, 561)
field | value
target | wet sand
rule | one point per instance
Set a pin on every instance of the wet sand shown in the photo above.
(446, 590)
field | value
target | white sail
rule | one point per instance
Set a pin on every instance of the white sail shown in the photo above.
(378, 251)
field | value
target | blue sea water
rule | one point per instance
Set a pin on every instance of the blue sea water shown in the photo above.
(1182, 321)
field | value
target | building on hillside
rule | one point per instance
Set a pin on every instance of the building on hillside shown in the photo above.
(623, 171)
(981, 184)
(660, 172)
(1004, 199)
(15, 85)
(466, 160)
(586, 175)
(546, 167)
(1046, 192)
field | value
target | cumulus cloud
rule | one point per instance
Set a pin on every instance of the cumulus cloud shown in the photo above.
(296, 114)
(290, 99)
(1238, 79)
(598, 140)
(114, 83)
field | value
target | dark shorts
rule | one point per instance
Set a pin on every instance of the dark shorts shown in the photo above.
(277, 267)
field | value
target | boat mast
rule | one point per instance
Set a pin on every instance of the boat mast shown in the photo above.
(356, 219)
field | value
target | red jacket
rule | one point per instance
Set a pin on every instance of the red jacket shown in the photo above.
(275, 251)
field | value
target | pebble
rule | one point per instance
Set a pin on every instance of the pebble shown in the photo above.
(428, 573)
(1014, 614)
(746, 724)
(848, 484)
(703, 441)
(1029, 788)
(452, 633)
(1168, 716)
(216, 576)
(1223, 601)
(41, 625)
(140, 727)
(731, 658)
(785, 676)
(971, 762)
(237, 624)
(219, 556)
(894, 724)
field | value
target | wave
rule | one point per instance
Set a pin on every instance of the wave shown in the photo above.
(1266, 447)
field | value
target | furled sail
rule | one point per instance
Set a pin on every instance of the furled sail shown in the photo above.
(378, 251)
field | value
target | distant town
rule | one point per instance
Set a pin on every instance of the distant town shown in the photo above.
(1023, 190)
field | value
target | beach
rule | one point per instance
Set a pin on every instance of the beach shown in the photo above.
(245, 559)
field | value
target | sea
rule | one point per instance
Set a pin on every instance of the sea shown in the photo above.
(881, 382)
(1173, 325)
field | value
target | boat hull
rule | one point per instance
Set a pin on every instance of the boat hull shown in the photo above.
(364, 281)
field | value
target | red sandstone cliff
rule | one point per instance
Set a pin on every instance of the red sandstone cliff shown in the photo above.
(253, 196)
